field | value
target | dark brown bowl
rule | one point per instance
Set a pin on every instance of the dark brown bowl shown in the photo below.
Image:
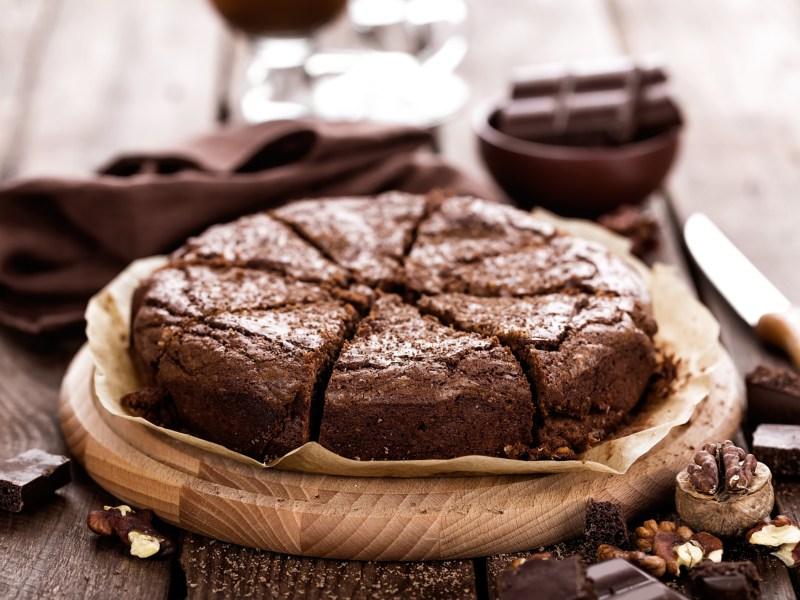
(569, 180)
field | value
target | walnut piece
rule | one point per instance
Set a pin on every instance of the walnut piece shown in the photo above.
(738, 465)
(704, 473)
(654, 565)
(537, 556)
(133, 528)
(677, 546)
(781, 532)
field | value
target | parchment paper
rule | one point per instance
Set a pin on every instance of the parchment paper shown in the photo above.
(687, 332)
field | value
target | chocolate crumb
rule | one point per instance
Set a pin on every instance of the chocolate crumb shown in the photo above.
(636, 225)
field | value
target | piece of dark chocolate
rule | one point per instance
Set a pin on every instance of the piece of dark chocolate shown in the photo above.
(773, 396)
(593, 104)
(620, 580)
(778, 447)
(636, 225)
(604, 523)
(30, 477)
(545, 579)
(726, 581)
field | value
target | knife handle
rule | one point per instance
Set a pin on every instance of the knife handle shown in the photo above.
(783, 330)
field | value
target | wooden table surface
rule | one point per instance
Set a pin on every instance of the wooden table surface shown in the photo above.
(83, 79)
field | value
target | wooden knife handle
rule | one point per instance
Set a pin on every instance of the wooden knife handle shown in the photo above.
(783, 330)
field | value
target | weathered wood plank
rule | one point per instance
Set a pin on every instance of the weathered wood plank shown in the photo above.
(219, 570)
(503, 35)
(734, 65)
(47, 551)
(119, 77)
(23, 36)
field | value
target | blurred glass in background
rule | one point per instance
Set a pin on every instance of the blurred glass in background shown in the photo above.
(398, 65)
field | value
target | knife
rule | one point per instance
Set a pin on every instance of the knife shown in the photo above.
(751, 295)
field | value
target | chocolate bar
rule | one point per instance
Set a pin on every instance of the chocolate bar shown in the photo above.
(588, 104)
(545, 579)
(620, 580)
(778, 447)
(773, 396)
(603, 74)
(30, 477)
(726, 581)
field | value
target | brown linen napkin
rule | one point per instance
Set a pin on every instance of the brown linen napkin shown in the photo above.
(61, 240)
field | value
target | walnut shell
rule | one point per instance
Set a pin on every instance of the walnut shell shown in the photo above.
(724, 513)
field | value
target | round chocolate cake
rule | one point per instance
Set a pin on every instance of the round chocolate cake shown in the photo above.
(393, 327)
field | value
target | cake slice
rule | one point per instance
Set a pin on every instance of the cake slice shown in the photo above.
(248, 381)
(196, 290)
(367, 235)
(237, 354)
(408, 387)
(261, 242)
(588, 357)
(485, 249)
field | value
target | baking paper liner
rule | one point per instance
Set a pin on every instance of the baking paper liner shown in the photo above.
(687, 332)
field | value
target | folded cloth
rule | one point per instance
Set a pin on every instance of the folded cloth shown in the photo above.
(61, 240)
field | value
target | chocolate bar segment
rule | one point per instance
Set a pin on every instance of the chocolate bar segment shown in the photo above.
(726, 581)
(620, 580)
(545, 579)
(773, 396)
(778, 447)
(30, 477)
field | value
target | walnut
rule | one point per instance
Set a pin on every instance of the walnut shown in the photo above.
(704, 473)
(724, 491)
(781, 532)
(738, 466)
(677, 546)
(133, 528)
(654, 565)
(647, 533)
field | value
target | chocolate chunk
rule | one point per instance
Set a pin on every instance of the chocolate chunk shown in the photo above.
(604, 523)
(773, 396)
(778, 447)
(30, 477)
(726, 581)
(546, 579)
(639, 227)
(620, 580)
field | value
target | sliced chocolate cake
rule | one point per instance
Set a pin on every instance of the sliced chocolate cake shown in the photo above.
(408, 387)
(588, 358)
(531, 343)
(245, 380)
(477, 248)
(261, 242)
(368, 236)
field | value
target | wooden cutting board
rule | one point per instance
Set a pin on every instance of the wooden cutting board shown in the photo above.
(368, 518)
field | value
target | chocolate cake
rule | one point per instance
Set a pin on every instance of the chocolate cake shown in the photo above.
(503, 336)
(408, 387)
(368, 236)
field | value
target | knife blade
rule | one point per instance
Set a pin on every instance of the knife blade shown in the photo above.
(750, 294)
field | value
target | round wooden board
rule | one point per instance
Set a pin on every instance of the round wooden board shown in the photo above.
(367, 518)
